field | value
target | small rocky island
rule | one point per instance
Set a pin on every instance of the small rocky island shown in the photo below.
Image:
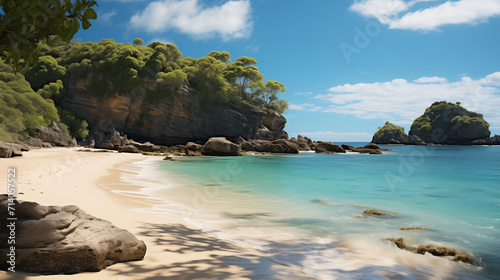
(442, 123)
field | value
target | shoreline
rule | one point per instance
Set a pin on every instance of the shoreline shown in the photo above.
(175, 250)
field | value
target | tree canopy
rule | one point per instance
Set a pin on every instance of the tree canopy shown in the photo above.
(24, 24)
(127, 68)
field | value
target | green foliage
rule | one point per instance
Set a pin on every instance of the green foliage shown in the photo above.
(242, 73)
(138, 42)
(24, 24)
(171, 81)
(54, 91)
(459, 121)
(45, 71)
(224, 56)
(74, 126)
(158, 70)
(21, 109)
(427, 128)
(279, 106)
(389, 131)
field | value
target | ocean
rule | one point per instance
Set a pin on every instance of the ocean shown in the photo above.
(306, 210)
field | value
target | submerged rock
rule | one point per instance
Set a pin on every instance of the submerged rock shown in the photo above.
(463, 257)
(323, 200)
(413, 228)
(439, 251)
(399, 242)
(436, 250)
(377, 212)
(55, 239)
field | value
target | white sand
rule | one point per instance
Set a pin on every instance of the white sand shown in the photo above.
(65, 176)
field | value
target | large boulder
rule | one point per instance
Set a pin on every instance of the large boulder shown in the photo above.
(266, 134)
(304, 143)
(37, 143)
(449, 123)
(220, 146)
(328, 148)
(54, 239)
(105, 136)
(495, 140)
(277, 146)
(8, 150)
(54, 135)
(274, 121)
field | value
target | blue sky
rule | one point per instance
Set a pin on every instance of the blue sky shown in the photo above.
(348, 66)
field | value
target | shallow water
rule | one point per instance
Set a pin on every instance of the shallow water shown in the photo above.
(268, 202)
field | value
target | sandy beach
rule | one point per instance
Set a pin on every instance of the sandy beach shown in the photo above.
(175, 250)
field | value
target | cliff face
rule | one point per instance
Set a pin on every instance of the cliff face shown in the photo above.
(177, 118)
(449, 123)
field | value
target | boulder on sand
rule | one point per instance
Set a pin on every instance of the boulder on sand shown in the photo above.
(220, 146)
(54, 239)
(8, 150)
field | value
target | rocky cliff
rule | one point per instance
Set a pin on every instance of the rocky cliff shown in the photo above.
(179, 118)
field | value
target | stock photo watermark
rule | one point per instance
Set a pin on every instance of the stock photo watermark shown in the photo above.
(11, 217)
(361, 40)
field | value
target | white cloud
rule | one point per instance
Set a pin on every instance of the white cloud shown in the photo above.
(230, 20)
(105, 18)
(430, 80)
(402, 101)
(397, 15)
(303, 93)
(305, 107)
(338, 136)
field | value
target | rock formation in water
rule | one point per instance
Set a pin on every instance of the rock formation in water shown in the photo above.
(393, 134)
(439, 251)
(442, 123)
(448, 123)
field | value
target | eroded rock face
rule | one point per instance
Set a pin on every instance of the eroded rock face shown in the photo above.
(220, 146)
(54, 239)
(169, 121)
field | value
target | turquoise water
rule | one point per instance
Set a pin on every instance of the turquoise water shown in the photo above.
(268, 202)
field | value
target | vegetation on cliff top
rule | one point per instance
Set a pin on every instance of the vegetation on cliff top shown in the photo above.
(158, 70)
